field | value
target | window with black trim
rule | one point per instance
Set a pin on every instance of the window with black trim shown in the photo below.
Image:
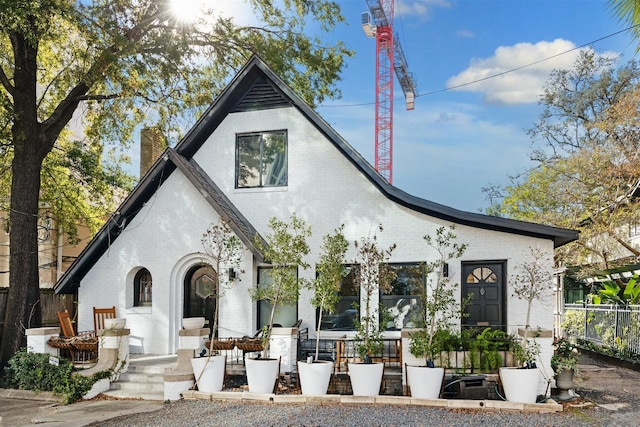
(286, 315)
(403, 304)
(142, 283)
(346, 311)
(261, 159)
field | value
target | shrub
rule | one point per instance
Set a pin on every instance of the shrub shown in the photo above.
(33, 371)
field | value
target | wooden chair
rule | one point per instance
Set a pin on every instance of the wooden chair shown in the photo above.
(82, 347)
(99, 314)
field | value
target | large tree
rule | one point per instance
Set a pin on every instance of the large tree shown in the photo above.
(119, 64)
(587, 149)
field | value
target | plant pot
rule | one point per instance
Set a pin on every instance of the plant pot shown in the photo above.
(425, 383)
(315, 377)
(564, 383)
(520, 385)
(366, 378)
(212, 379)
(193, 322)
(262, 374)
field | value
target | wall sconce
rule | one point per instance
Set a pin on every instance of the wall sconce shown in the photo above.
(232, 274)
(445, 270)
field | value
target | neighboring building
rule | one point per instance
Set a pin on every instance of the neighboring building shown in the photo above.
(258, 152)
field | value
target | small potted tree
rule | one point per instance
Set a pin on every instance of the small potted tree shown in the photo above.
(532, 281)
(224, 250)
(285, 249)
(373, 275)
(440, 306)
(314, 377)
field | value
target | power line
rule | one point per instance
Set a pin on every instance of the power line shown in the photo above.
(497, 74)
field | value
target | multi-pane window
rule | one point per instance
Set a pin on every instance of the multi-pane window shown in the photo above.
(142, 288)
(261, 159)
(345, 313)
(286, 315)
(403, 304)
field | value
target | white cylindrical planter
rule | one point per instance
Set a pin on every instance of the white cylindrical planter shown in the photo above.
(425, 383)
(209, 373)
(520, 385)
(315, 377)
(262, 374)
(193, 322)
(115, 323)
(366, 378)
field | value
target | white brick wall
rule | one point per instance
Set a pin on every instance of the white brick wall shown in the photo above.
(324, 189)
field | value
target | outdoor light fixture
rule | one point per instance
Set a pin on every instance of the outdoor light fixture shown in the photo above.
(232, 274)
(445, 270)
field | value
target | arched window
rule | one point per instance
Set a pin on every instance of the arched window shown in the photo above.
(142, 288)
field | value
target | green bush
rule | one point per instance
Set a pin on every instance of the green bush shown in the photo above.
(32, 371)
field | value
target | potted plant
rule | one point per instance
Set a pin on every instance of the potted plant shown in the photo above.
(532, 281)
(225, 251)
(372, 276)
(315, 376)
(439, 307)
(564, 363)
(285, 249)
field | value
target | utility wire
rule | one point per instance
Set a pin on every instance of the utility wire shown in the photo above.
(493, 75)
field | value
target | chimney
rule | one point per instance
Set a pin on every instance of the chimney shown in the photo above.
(152, 145)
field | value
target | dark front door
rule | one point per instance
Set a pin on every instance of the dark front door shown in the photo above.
(483, 283)
(199, 297)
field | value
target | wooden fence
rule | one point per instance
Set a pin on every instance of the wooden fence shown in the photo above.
(50, 304)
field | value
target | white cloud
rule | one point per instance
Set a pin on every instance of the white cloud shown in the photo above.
(522, 85)
(465, 34)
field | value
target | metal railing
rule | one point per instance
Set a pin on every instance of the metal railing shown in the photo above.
(612, 326)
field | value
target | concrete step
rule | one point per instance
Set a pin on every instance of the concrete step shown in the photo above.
(144, 386)
(137, 377)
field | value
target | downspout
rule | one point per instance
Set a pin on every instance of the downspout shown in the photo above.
(59, 254)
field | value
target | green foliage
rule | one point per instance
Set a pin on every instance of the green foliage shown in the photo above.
(32, 371)
(373, 275)
(330, 271)
(285, 248)
(439, 301)
(565, 355)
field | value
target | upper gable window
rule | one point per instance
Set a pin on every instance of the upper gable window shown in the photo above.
(261, 159)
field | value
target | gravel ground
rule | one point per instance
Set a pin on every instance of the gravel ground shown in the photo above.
(207, 413)
(608, 397)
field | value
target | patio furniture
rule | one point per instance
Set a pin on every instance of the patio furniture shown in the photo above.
(99, 314)
(82, 347)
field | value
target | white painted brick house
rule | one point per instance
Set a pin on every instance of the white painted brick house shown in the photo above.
(153, 242)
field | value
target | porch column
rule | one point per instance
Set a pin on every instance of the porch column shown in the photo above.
(284, 344)
(37, 340)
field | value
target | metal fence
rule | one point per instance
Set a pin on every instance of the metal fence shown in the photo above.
(612, 326)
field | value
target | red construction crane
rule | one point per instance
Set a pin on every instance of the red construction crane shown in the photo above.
(389, 57)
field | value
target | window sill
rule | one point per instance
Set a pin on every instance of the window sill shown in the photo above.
(262, 189)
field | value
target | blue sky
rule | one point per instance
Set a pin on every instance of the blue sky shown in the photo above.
(457, 141)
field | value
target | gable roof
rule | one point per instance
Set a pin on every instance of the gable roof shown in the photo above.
(255, 87)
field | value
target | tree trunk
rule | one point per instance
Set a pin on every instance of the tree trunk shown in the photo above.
(23, 305)
(31, 143)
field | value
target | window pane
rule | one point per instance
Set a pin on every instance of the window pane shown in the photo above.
(274, 159)
(286, 315)
(248, 161)
(345, 314)
(403, 302)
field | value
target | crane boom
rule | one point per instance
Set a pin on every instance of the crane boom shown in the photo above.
(389, 58)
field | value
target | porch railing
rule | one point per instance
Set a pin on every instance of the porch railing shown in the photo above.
(612, 326)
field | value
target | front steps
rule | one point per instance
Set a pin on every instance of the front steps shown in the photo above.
(143, 380)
